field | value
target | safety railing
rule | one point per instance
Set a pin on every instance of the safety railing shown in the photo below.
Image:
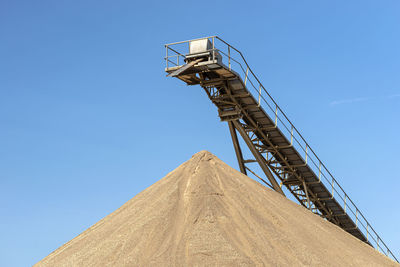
(234, 60)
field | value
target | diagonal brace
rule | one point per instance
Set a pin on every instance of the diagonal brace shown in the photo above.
(236, 145)
(257, 155)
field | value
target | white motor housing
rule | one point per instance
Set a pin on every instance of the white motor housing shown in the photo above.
(203, 48)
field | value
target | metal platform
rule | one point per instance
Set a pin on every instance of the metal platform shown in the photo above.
(281, 152)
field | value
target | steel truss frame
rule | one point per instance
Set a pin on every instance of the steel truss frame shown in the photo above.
(264, 155)
(279, 159)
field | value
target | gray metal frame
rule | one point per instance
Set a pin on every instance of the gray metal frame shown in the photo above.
(277, 146)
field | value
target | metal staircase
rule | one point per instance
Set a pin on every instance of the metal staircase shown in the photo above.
(281, 152)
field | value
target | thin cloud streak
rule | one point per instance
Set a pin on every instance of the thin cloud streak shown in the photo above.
(393, 96)
(361, 99)
(349, 101)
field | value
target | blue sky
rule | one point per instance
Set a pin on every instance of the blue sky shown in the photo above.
(88, 118)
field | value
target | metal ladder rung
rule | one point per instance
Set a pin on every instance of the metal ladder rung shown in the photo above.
(339, 215)
(242, 95)
(327, 198)
(348, 229)
(291, 166)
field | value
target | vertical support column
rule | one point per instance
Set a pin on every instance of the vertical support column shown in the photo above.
(236, 145)
(229, 57)
(166, 55)
(308, 199)
(257, 155)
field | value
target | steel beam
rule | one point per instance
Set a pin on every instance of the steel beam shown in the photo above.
(184, 68)
(257, 155)
(236, 145)
(306, 190)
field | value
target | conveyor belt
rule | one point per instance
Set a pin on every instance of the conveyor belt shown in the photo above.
(271, 148)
